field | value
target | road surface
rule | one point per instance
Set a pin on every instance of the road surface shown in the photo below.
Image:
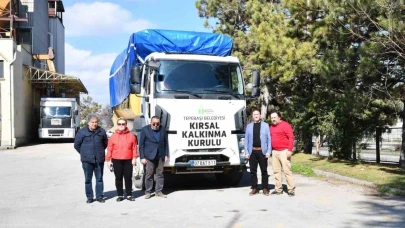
(43, 186)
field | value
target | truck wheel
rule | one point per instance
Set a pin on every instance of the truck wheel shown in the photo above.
(231, 178)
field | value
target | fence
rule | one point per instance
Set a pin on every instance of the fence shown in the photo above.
(383, 146)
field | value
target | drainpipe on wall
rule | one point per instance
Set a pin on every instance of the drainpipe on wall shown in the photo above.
(11, 98)
(11, 80)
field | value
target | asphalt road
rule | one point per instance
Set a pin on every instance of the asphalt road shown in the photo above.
(367, 156)
(43, 186)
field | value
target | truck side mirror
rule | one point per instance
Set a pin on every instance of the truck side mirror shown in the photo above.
(255, 83)
(76, 112)
(153, 64)
(136, 89)
(136, 74)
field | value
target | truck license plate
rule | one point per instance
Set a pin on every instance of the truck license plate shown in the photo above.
(204, 163)
(56, 122)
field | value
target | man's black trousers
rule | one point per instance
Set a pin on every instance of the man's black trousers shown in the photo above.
(257, 158)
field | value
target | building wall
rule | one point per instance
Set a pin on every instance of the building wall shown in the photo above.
(40, 18)
(57, 30)
(6, 54)
(24, 102)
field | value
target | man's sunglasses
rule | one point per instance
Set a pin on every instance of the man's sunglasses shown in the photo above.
(121, 124)
(156, 124)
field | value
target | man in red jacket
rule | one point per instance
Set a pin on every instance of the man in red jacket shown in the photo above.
(282, 141)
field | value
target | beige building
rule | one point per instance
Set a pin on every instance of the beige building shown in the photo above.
(32, 66)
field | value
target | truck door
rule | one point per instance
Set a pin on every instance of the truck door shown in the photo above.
(147, 95)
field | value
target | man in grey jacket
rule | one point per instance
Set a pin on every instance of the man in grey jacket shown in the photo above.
(154, 152)
(258, 150)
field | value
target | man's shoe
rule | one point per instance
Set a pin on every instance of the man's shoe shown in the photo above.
(130, 198)
(291, 193)
(120, 198)
(160, 194)
(90, 201)
(266, 191)
(253, 192)
(101, 200)
(147, 196)
(276, 193)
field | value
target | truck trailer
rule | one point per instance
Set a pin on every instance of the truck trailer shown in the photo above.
(190, 81)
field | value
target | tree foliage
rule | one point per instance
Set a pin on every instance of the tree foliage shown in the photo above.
(332, 67)
(88, 106)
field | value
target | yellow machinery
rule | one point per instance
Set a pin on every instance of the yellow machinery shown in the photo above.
(128, 109)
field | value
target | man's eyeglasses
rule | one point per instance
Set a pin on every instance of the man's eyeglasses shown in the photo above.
(155, 124)
(121, 124)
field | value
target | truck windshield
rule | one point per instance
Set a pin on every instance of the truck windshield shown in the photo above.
(51, 112)
(199, 77)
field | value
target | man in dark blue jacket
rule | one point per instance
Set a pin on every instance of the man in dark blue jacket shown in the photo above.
(91, 142)
(154, 152)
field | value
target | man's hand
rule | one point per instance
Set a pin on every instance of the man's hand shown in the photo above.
(247, 156)
(289, 153)
(133, 161)
(166, 158)
(143, 161)
(109, 164)
(267, 155)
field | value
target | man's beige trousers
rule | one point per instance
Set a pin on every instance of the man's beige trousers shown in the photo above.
(280, 161)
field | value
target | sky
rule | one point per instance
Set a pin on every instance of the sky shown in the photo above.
(96, 31)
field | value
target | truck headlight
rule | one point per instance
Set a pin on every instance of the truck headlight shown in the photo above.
(241, 143)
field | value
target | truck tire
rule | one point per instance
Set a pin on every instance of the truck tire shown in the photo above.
(231, 178)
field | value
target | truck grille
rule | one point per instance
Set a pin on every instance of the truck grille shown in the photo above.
(58, 131)
(217, 157)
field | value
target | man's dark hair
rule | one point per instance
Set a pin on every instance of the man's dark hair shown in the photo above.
(277, 112)
(256, 110)
(155, 117)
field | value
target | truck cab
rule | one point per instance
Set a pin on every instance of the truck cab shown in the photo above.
(59, 118)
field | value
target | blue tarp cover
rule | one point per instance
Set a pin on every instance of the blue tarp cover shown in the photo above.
(145, 42)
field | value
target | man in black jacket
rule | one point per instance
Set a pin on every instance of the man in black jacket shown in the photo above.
(91, 142)
(154, 152)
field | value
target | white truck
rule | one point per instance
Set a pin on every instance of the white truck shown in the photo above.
(200, 99)
(59, 118)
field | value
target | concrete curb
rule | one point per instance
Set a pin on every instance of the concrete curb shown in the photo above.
(389, 190)
(344, 178)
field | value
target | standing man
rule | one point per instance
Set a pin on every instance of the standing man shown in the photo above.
(91, 142)
(282, 140)
(154, 153)
(258, 150)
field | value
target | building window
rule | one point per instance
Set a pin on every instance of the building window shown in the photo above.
(1, 68)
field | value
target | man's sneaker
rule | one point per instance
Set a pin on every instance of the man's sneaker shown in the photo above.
(276, 193)
(291, 193)
(120, 198)
(160, 194)
(147, 196)
(253, 192)
(266, 191)
(90, 201)
(101, 200)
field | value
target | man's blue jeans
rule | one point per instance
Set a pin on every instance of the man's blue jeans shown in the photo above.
(98, 169)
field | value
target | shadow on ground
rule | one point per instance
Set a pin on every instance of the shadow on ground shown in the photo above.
(385, 212)
(192, 182)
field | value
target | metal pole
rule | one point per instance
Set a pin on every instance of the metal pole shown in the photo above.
(377, 140)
